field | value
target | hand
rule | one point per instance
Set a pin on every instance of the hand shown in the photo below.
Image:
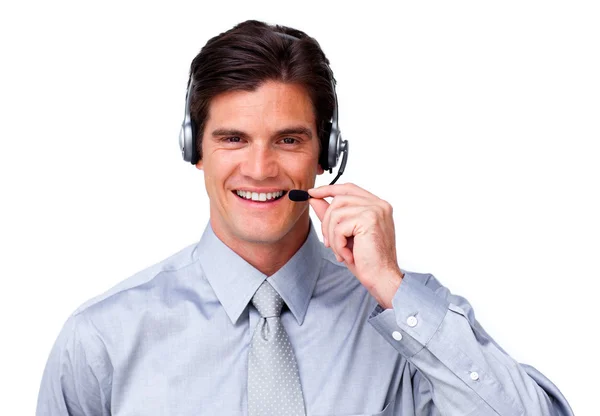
(359, 229)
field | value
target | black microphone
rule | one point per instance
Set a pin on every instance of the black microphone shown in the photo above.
(298, 195)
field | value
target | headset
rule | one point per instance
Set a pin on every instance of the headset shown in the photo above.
(334, 148)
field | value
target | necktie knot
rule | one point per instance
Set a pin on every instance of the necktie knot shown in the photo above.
(267, 301)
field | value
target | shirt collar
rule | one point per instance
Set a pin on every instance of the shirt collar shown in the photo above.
(235, 281)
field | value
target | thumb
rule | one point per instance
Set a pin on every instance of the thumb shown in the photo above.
(320, 206)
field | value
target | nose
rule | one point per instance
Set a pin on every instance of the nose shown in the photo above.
(260, 163)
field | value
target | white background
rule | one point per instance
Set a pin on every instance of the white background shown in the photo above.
(479, 122)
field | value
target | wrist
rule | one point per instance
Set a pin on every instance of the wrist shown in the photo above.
(386, 287)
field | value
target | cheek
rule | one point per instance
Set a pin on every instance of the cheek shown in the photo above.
(218, 169)
(301, 162)
(298, 172)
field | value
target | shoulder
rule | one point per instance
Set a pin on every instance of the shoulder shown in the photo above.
(88, 328)
(170, 267)
(106, 319)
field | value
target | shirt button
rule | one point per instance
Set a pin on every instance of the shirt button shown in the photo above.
(411, 321)
(474, 376)
(397, 335)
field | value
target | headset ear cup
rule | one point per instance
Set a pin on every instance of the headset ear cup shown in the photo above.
(188, 130)
(195, 156)
(324, 154)
(333, 152)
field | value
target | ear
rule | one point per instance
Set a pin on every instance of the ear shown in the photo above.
(199, 165)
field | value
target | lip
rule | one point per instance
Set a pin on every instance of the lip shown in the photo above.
(248, 203)
(260, 190)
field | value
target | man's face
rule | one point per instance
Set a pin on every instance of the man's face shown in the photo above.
(258, 144)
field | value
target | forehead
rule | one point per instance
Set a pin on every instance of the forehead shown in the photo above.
(272, 105)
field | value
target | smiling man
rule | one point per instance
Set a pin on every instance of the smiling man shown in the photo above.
(259, 317)
(256, 146)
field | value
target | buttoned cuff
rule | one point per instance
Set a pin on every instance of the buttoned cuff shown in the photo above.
(416, 316)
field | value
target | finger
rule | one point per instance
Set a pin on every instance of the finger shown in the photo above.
(343, 235)
(348, 213)
(320, 206)
(340, 202)
(339, 189)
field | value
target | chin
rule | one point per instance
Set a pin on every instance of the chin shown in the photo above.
(256, 231)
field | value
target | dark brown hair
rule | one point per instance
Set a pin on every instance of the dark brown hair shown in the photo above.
(253, 52)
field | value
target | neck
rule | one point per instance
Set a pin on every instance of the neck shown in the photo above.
(268, 257)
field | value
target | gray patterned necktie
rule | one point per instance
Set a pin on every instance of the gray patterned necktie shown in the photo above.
(273, 381)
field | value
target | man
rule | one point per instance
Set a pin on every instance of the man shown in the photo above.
(259, 317)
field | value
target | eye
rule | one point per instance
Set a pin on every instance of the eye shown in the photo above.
(290, 140)
(232, 139)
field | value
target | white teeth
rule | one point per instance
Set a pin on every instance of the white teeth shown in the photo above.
(256, 196)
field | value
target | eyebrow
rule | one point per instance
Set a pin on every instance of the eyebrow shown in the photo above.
(298, 130)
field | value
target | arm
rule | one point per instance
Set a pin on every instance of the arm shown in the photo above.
(70, 383)
(460, 368)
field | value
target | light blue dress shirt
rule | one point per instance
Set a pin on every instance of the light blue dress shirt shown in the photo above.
(174, 338)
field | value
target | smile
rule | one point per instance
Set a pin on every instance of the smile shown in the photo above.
(260, 196)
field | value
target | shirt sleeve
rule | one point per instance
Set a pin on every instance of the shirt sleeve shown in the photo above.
(73, 383)
(460, 369)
